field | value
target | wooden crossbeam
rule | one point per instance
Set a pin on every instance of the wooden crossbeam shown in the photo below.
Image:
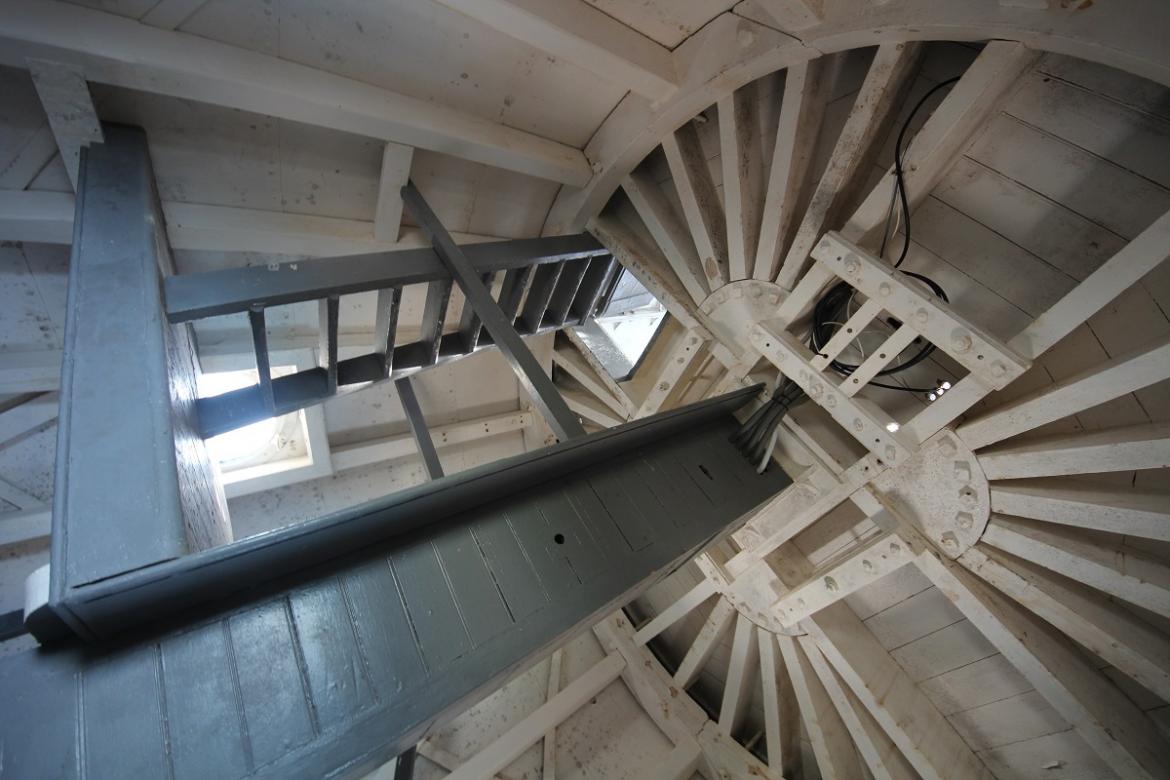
(716, 625)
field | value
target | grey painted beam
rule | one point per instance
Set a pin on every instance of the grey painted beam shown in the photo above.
(499, 326)
(418, 427)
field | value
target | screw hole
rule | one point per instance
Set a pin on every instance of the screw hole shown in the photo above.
(559, 538)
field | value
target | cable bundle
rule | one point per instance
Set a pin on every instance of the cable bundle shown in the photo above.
(756, 439)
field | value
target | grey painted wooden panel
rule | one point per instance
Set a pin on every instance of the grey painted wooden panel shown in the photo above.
(344, 670)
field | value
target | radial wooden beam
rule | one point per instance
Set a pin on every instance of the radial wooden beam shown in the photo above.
(111, 49)
(1109, 566)
(1123, 374)
(576, 31)
(968, 105)
(682, 607)
(678, 368)
(641, 257)
(890, 72)
(781, 712)
(396, 160)
(1109, 722)
(913, 723)
(65, 96)
(836, 756)
(714, 628)
(1071, 502)
(1115, 634)
(1130, 448)
(594, 366)
(700, 201)
(588, 408)
(568, 359)
(741, 673)
(548, 765)
(670, 234)
(509, 746)
(882, 756)
(801, 111)
(741, 155)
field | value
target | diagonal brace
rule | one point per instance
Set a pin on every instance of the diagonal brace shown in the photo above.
(537, 384)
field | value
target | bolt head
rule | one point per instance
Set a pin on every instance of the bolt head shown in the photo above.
(922, 315)
(961, 342)
(950, 541)
(831, 585)
(965, 520)
(885, 289)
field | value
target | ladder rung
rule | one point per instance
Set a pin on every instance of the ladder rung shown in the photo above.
(470, 326)
(386, 325)
(434, 317)
(512, 292)
(878, 360)
(328, 310)
(847, 333)
(544, 282)
(260, 347)
(565, 292)
(597, 279)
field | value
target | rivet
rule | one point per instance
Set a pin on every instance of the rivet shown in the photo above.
(831, 585)
(852, 266)
(949, 541)
(867, 566)
(858, 425)
(998, 369)
(831, 401)
(961, 342)
(884, 290)
(895, 548)
(746, 38)
(922, 315)
(965, 520)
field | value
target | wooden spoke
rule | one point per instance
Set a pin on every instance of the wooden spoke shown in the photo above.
(1115, 449)
(1112, 725)
(641, 257)
(892, 67)
(691, 600)
(714, 628)
(1111, 567)
(966, 108)
(926, 739)
(883, 758)
(1086, 615)
(781, 713)
(587, 407)
(700, 201)
(836, 757)
(1124, 374)
(676, 371)
(670, 234)
(801, 112)
(741, 154)
(570, 360)
(1070, 502)
(741, 670)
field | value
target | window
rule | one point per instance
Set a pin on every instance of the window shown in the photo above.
(621, 334)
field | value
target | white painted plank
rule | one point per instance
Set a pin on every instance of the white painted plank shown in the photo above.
(976, 96)
(679, 764)
(926, 739)
(689, 601)
(801, 111)
(714, 627)
(1130, 448)
(781, 712)
(684, 360)
(1134, 370)
(1070, 502)
(700, 202)
(396, 160)
(47, 217)
(1116, 635)
(670, 235)
(355, 456)
(30, 160)
(169, 14)
(836, 757)
(576, 31)
(30, 415)
(69, 107)
(569, 359)
(28, 525)
(585, 354)
(585, 407)
(883, 758)
(1112, 725)
(17, 497)
(741, 154)
(1124, 269)
(1113, 568)
(508, 747)
(892, 66)
(741, 673)
(119, 51)
(548, 765)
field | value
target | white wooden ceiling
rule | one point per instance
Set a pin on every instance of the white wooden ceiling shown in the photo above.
(1071, 167)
